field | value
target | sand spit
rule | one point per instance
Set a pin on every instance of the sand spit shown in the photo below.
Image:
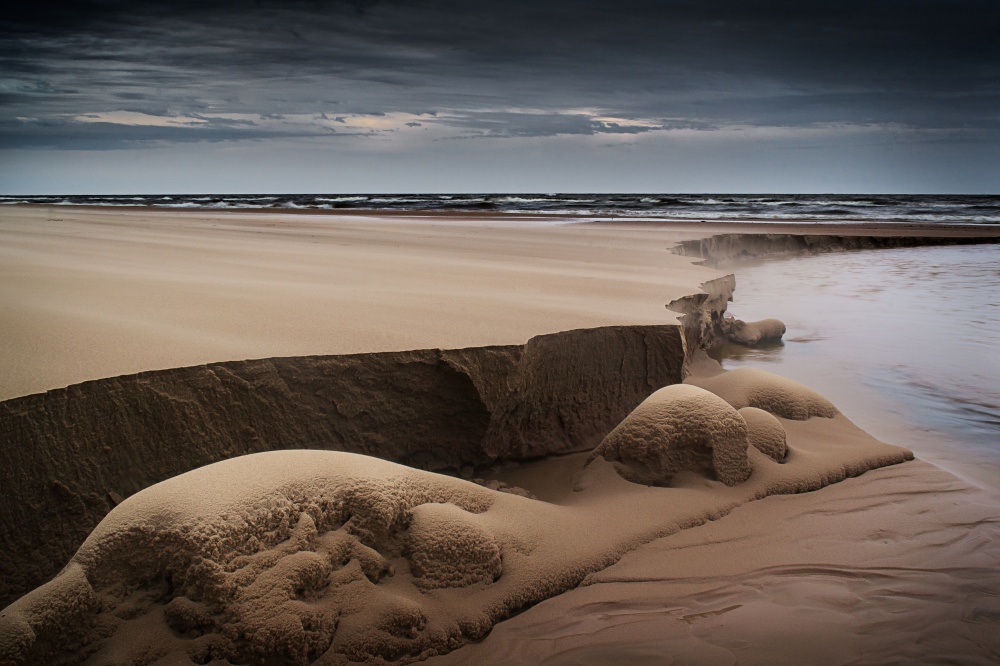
(324, 557)
(70, 455)
(731, 248)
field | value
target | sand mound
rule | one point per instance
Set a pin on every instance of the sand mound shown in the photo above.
(296, 557)
(449, 549)
(765, 433)
(271, 556)
(750, 387)
(679, 427)
(754, 332)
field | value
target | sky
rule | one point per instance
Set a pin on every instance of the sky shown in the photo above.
(315, 96)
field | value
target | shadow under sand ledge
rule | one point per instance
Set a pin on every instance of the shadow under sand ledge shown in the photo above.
(328, 557)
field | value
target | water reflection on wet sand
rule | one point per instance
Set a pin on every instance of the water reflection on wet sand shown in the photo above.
(905, 341)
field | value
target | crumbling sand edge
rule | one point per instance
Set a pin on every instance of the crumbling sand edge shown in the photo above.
(702, 315)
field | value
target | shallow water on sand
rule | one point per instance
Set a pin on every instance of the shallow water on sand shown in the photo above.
(906, 342)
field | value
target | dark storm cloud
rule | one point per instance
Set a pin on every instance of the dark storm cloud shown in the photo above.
(117, 136)
(510, 69)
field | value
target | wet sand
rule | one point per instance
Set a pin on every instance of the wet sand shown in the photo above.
(838, 552)
(899, 565)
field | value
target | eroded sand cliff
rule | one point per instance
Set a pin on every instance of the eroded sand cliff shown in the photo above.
(70, 455)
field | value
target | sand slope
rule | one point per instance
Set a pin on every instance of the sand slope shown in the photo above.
(302, 556)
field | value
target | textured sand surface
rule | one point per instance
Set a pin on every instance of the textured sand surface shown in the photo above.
(299, 556)
(752, 387)
(900, 565)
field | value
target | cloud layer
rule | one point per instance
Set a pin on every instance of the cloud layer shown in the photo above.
(113, 75)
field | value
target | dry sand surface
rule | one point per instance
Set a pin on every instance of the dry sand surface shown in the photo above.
(91, 293)
(838, 551)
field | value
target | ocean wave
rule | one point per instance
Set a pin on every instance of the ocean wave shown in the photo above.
(936, 209)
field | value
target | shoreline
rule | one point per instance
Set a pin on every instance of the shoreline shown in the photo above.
(121, 274)
(549, 278)
(155, 332)
(681, 224)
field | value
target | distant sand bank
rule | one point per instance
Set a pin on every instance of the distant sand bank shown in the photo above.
(324, 556)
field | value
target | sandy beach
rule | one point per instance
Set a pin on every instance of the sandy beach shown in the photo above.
(542, 526)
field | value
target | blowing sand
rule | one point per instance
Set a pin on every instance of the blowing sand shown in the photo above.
(737, 518)
(97, 293)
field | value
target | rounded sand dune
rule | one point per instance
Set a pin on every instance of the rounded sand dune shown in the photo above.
(765, 433)
(752, 333)
(750, 387)
(276, 556)
(679, 428)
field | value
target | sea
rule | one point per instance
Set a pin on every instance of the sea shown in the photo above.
(938, 209)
